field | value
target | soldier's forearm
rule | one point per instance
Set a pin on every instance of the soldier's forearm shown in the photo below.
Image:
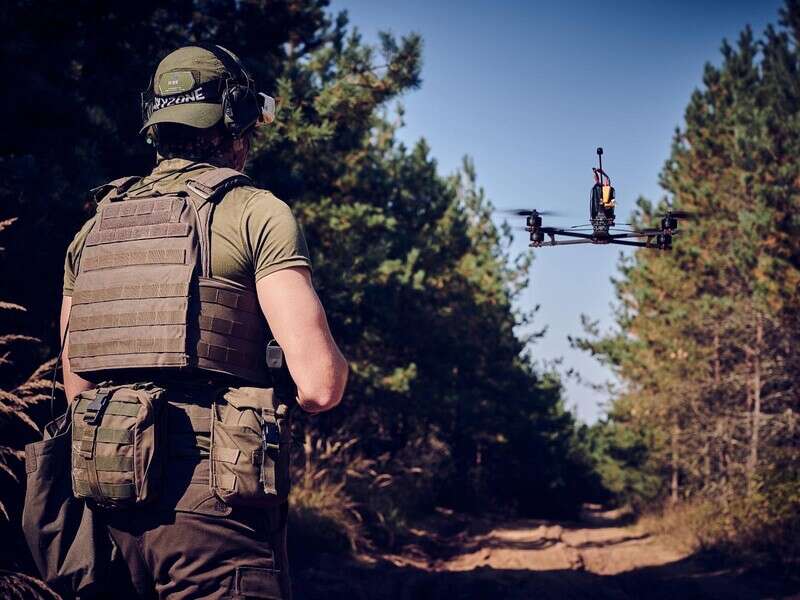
(73, 384)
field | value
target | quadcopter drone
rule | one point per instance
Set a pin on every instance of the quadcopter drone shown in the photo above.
(601, 228)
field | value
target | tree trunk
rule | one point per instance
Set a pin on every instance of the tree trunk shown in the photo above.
(675, 458)
(717, 364)
(755, 395)
(724, 459)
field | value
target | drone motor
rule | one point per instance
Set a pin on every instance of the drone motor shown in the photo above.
(669, 223)
(534, 220)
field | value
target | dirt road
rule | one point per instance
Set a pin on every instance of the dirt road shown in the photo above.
(599, 559)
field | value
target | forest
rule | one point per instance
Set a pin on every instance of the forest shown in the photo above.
(445, 406)
(706, 336)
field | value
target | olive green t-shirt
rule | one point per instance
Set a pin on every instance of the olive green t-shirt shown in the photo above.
(253, 233)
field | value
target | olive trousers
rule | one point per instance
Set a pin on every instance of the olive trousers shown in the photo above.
(189, 545)
(183, 555)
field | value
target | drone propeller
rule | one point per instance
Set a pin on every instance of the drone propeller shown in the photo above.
(525, 212)
(689, 215)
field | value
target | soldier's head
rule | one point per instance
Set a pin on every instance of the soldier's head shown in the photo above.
(203, 105)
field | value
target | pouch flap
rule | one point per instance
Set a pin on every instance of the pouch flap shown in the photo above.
(251, 397)
(253, 582)
(132, 394)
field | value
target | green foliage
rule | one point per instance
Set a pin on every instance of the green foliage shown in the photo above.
(415, 277)
(623, 460)
(706, 334)
(761, 526)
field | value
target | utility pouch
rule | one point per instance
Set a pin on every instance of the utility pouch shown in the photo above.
(115, 444)
(250, 445)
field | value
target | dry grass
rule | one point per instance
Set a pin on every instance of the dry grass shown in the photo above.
(757, 530)
(343, 501)
(17, 398)
(679, 525)
(324, 515)
(16, 586)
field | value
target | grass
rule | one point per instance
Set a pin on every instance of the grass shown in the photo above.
(324, 517)
(756, 530)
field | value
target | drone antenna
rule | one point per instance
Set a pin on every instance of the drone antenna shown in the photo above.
(600, 158)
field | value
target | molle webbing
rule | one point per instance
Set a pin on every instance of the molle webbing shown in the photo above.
(165, 256)
(144, 232)
(144, 297)
(231, 331)
(103, 455)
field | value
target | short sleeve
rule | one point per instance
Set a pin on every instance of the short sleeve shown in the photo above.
(272, 235)
(73, 257)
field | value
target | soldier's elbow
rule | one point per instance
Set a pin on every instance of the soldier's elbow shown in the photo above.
(319, 402)
(328, 393)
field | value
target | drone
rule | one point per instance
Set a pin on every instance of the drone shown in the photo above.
(602, 228)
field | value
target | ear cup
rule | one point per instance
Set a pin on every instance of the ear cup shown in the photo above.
(240, 108)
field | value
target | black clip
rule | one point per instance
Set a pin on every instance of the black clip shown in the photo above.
(274, 357)
(96, 406)
(282, 381)
(270, 435)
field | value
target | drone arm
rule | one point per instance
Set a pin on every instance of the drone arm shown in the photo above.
(552, 231)
(630, 243)
(634, 234)
(554, 242)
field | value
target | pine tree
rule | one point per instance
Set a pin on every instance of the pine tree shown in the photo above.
(706, 332)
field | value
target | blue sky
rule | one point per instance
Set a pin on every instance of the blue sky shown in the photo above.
(529, 90)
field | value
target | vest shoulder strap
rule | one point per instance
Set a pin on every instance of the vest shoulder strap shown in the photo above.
(113, 189)
(216, 181)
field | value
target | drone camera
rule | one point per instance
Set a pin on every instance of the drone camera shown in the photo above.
(607, 197)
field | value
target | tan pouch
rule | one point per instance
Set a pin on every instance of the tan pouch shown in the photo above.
(115, 444)
(250, 445)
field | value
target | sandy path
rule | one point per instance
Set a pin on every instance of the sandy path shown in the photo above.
(540, 547)
(525, 559)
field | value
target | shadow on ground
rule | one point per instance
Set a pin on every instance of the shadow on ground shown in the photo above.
(684, 579)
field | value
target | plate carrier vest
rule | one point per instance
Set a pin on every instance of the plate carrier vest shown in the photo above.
(144, 297)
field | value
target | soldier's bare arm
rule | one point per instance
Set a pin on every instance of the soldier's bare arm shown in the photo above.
(297, 320)
(73, 384)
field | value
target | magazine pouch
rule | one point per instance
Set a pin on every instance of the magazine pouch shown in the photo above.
(115, 444)
(250, 445)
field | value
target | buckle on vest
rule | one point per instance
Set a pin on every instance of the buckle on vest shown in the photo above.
(198, 188)
(270, 435)
(96, 406)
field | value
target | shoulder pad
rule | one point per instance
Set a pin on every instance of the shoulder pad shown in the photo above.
(216, 181)
(114, 188)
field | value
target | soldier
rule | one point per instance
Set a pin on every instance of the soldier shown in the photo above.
(171, 293)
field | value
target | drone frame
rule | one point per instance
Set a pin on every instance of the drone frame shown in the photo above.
(602, 221)
(660, 239)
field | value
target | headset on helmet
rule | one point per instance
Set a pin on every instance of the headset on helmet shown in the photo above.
(242, 106)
